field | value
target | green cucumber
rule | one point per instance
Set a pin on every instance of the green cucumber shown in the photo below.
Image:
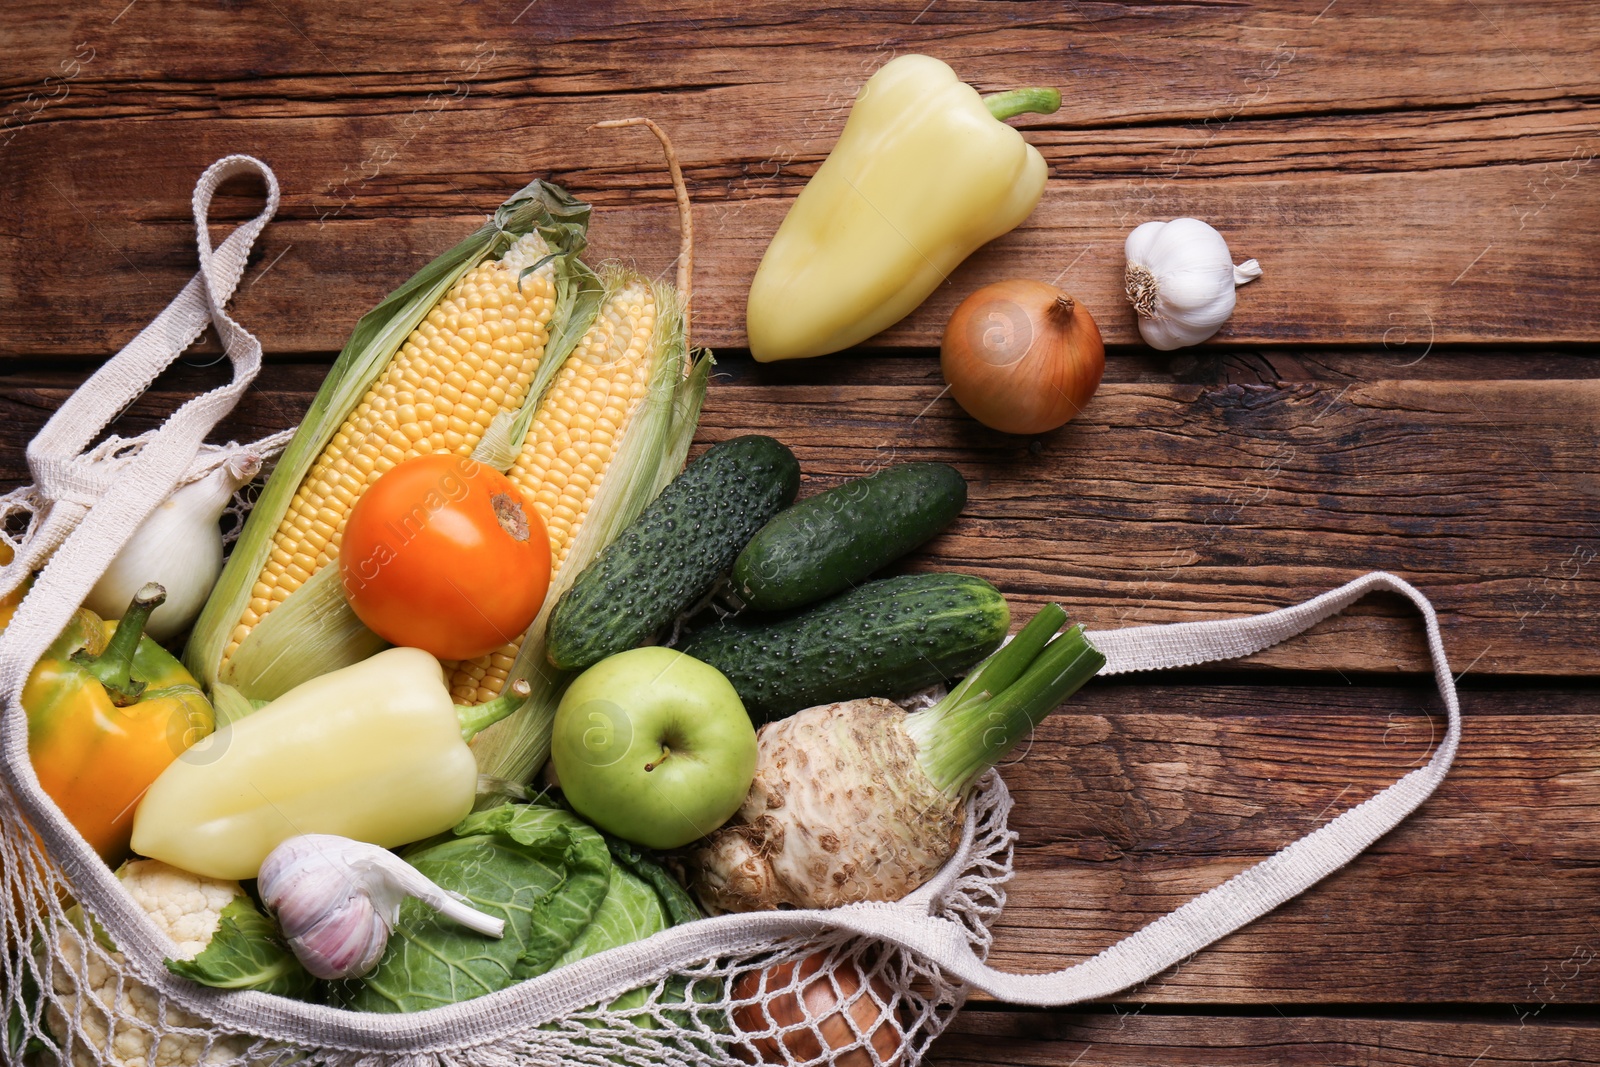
(673, 552)
(887, 638)
(837, 539)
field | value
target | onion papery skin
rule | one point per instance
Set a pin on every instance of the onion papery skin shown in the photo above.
(1022, 357)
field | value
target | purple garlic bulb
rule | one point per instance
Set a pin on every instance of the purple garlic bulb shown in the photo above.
(336, 901)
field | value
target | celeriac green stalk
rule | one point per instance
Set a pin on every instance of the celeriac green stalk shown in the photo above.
(1009, 694)
(1006, 664)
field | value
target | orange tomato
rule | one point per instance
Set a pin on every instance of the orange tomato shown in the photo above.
(443, 554)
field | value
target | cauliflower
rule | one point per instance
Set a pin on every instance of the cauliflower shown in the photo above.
(185, 907)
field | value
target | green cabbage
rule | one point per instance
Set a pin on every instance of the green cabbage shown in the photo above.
(247, 953)
(563, 888)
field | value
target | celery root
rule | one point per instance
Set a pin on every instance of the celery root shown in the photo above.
(858, 801)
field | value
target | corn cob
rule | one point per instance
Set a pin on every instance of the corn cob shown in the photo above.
(648, 455)
(571, 443)
(591, 430)
(431, 368)
(473, 357)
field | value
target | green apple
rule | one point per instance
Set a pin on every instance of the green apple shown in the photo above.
(654, 746)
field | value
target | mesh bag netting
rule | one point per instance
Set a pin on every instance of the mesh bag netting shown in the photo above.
(83, 980)
(69, 996)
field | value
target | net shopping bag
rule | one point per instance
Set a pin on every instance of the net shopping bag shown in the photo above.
(92, 990)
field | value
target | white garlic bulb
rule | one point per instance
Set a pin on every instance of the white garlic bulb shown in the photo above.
(336, 901)
(178, 545)
(1180, 279)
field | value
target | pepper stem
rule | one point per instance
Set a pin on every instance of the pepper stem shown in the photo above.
(1014, 102)
(113, 667)
(479, 717)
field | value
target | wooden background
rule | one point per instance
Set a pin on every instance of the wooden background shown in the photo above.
(1409, 387)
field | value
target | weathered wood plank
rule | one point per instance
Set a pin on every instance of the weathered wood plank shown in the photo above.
(1144, 1039)
(1469, 253)
(1138, 797)
(728, 147)
(1125, 364)
(1185, 502)
(1396, 169)
(1141, 62)
(1410, 359)
(1169, 502)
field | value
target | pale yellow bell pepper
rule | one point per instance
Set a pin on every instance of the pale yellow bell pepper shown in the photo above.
(923, 174)
(374, 752)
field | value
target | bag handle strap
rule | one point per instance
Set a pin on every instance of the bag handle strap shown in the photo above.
(1248, 895)
(1136, 958)
(91, 509)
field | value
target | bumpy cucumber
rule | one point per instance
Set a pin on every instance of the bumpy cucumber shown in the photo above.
(834, 540)
(887, 638)
(674, 551)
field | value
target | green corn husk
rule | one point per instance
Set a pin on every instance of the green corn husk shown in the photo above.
(652, 452)
(314, 631)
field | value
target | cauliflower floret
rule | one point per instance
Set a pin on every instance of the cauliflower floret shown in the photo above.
(184, 906)
(188, 909)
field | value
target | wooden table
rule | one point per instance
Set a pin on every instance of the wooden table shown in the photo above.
(1409, 387)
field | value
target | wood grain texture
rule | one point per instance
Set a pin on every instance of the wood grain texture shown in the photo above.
(1411, 386)
(1164, 503)
(1144, 61)
(1508, 1038)
(1394, 172)
(1167, 502)
(1125, 364)
(1435, 255)
(1137, 797)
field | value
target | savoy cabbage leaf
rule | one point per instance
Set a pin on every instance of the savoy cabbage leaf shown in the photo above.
(540, 869)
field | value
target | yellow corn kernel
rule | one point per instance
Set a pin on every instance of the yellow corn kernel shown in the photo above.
(564, 458)
(439, 392)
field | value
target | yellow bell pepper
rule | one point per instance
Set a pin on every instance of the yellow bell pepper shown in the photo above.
(108, 710)
(923, 174)
(374, 752)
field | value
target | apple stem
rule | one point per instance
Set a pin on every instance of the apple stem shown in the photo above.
(665, 752)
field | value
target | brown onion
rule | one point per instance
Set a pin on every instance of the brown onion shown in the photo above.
(1022, 356)
(867, 1016)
